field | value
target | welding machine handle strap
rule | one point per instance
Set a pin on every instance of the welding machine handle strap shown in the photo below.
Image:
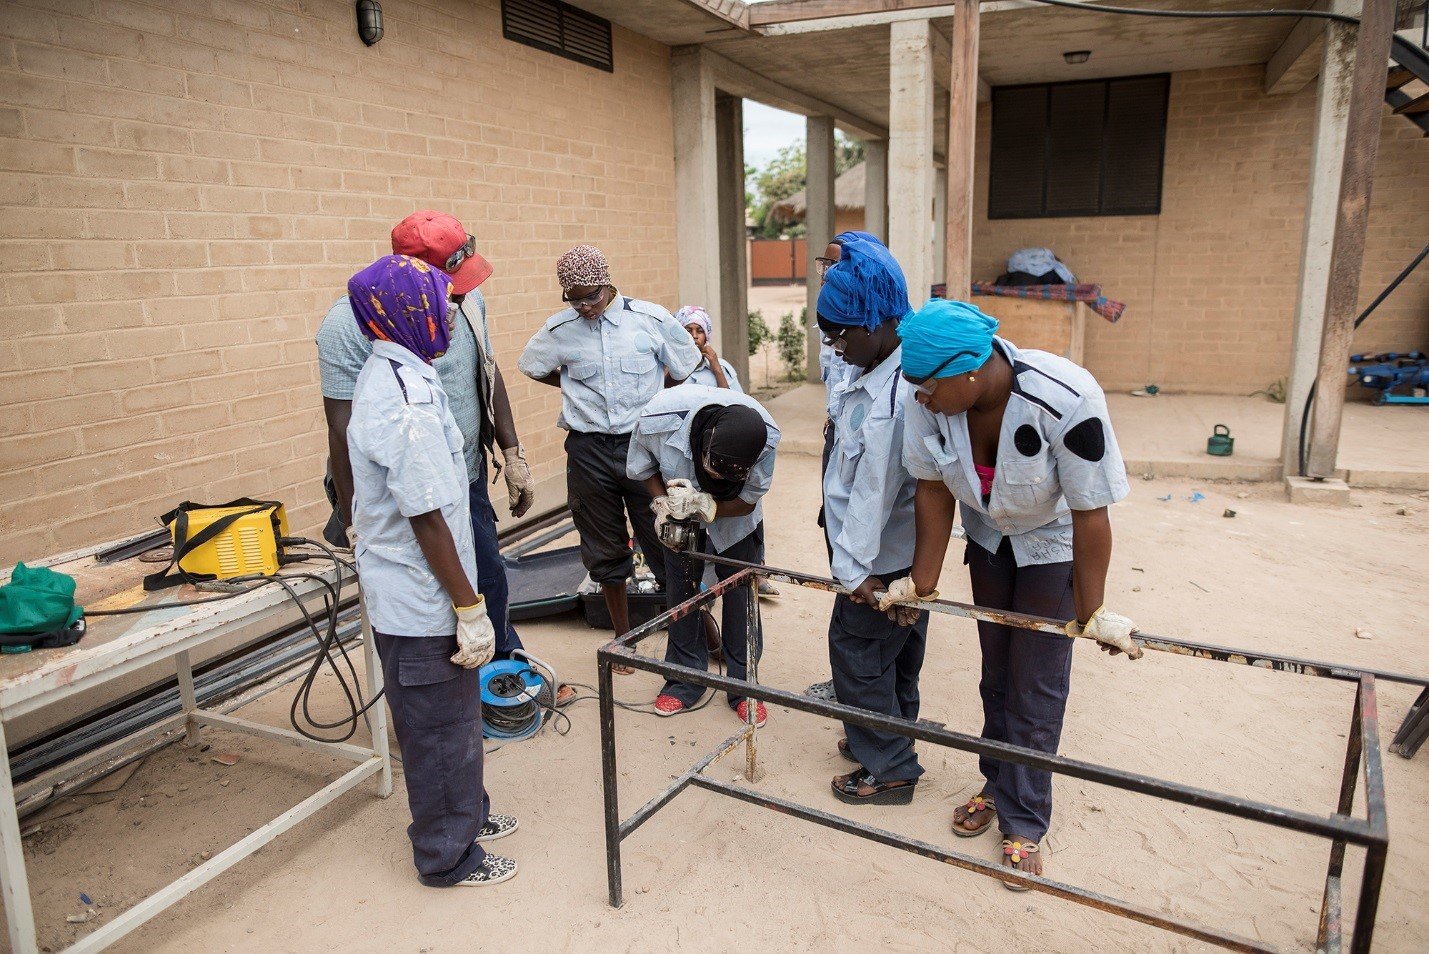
(183, 544)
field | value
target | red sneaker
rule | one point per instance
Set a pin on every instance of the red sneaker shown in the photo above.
(761, 715)
(668, 705)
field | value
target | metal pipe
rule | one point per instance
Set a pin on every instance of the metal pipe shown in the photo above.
(1042, 624)
(645, 812)
(1367, 711)
(609, 781)
(969, 863)
(753, 645)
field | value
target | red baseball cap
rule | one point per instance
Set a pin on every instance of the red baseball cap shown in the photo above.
(435, 237)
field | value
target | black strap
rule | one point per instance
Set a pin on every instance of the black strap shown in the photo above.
(184, 545)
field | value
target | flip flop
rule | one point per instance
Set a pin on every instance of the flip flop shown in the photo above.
(978, 803)
(1014, 850)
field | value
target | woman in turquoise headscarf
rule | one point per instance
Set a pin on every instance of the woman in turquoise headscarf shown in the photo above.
(1022, 441)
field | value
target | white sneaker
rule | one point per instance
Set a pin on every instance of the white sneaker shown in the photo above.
(497, 826)
(494, 870)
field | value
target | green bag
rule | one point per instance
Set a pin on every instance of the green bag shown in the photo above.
(37, 607)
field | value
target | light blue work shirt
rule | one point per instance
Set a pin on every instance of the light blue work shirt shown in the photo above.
(343, 351)
(705, 375)
(868, 494)
(833, 371)
(610, 367)
(661, 443)
(406, 454)
(1056, 453)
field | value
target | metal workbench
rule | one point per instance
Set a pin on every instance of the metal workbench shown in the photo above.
(115, 647)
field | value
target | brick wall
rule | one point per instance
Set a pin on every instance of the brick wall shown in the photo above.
(1211, 282)
(186, 185)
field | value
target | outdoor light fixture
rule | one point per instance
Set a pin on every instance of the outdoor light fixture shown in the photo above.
(1071, 56)
(369, 21)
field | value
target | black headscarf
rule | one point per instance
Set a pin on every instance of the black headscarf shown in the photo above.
(734, 436)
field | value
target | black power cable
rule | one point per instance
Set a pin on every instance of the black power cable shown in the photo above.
(1201, 14)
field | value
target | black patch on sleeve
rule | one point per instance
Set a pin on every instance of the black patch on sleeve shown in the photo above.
(1087, 440)
(1028, 441)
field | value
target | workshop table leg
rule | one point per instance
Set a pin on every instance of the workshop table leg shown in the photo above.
(14, 885)
(377, 715)
(192, 733)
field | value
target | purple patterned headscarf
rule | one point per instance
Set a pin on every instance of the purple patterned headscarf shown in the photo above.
(403, 300)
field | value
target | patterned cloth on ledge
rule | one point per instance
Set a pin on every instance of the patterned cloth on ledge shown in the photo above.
(1091, 294)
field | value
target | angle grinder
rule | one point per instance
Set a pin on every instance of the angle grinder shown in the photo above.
(678, 534)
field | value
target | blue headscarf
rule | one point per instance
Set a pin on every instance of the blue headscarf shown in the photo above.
(865, 287)
(942, 329)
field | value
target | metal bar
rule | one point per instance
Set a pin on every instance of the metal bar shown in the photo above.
(1042, 624)
(188, 700)
(1331, 914)
(105, 759)
(1353, 830)
(1367, 708)
(376, 715)
(609, 781)
(176, 891)
(979, 866)
(14, 884)
(645, 812)
(217, 720)
(753, 644)
(691, 605)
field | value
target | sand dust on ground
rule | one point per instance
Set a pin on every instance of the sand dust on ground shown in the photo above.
(712, 874)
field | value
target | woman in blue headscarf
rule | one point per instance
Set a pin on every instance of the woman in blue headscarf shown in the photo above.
(1022, 441)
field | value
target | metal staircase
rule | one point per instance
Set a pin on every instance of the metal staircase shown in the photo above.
(1406, 88)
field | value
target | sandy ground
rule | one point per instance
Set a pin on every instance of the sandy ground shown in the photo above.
(710, 874)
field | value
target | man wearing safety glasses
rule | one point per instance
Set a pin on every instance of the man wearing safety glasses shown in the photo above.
(609, 354)
(473, 384)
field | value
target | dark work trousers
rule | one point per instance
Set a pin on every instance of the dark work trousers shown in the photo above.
(876, 664)
(685, 645)
(490, 567)
(1025, 679)
(601, 496)
(436, 713)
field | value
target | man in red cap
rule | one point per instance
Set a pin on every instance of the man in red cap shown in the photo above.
(477, 394)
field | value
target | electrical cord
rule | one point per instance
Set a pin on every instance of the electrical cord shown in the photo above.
(1202, 14)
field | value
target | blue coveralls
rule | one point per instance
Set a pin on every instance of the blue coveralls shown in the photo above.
(1061, 456)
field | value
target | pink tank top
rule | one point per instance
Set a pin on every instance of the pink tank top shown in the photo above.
(985, 476)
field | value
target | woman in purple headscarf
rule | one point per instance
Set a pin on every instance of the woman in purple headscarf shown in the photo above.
(417, 562)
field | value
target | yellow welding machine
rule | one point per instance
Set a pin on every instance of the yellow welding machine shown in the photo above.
(218, 542)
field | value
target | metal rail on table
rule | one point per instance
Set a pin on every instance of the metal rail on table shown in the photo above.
(1341, 828)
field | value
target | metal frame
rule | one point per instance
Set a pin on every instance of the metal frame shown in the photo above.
(1341, 828)
(174, 639)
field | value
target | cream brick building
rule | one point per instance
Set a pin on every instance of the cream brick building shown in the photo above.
(185, 188)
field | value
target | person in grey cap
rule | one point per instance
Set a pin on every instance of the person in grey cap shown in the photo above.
(609, 354)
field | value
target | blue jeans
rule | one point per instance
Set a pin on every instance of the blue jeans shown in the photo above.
(491, 568)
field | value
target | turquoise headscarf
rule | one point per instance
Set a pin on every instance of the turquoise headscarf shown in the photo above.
(942, 329)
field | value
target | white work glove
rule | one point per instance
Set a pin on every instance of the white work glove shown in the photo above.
(900, 593)
(475, 637)
(660, 507)
(351, 534)
(686, 502)
(520, 493)
(1110, 629)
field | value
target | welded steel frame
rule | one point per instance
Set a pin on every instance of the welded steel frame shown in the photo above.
(1341, 828)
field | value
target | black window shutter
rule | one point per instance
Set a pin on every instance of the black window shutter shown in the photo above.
(1078, 149)
(559, 28)
(1018, 166)
(1135, 145)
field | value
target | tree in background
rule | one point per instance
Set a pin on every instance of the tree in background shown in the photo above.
(785, 175)
(758, 332)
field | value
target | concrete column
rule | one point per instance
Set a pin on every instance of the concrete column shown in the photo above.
(940, 229)
(818, 221)
(732, 326)
(1366, 96)
(875, 193)
(697, 232)
(910, 153)
(1327, 158)
(962, 133)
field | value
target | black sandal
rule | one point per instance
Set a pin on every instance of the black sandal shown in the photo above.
(846, 752)
(889, 793)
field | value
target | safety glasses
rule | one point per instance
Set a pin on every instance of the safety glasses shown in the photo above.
(724, 469)
(589, 301)
(823, 265)
(462, 254)
(835, 340)
(927, 385)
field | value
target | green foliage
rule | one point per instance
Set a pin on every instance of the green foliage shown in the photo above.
(785, 175)
(759, 332)
(791, 341)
